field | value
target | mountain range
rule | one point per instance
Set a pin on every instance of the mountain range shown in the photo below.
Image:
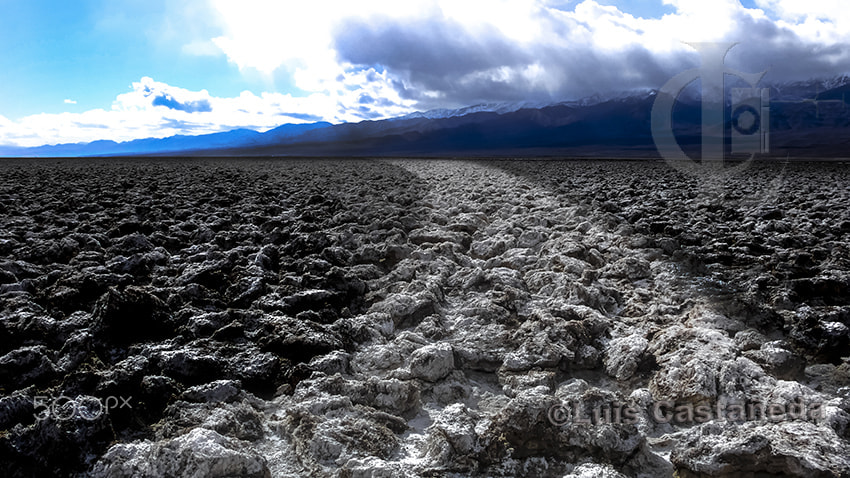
(807, 119)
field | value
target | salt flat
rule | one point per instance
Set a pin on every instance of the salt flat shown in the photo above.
(412, 317)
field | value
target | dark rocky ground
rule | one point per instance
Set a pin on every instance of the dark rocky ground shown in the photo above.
(420, 318)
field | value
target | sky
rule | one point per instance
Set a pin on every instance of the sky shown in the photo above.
(126, 69)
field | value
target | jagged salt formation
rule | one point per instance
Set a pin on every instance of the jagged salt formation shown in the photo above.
(425, 318)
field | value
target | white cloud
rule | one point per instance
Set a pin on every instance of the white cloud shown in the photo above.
(796, 10)
(69, 102)
(156, 109)
(816, 21)
(270, 34)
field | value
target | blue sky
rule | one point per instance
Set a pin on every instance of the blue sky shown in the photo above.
(89, 51)
(123, 69)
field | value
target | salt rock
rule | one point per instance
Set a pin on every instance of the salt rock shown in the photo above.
(236, 419)
(432, 362)
(623, 356)
(332, 363)
(790, 448)
(592, 470)
(213, 392)
(631, 268)
(391, 395)
(328, 443)
(531, 238)
(741, 378)
(452, 440)
(200, 453)
(778, 361)
(27, 365)
(524, 429)
(378, 357)
(513, 383)
(749, 340)
(492, 246)
(407, 309)
(690, 360)
(16, 408)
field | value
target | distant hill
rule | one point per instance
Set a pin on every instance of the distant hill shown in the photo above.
(174, 144)
(808, 119)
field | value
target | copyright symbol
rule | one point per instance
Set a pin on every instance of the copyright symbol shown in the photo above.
(559, 415)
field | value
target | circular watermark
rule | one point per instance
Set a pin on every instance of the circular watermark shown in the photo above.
(748, 132)
(560, 414)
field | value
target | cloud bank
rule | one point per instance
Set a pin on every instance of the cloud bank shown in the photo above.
(380, 58)
(154, 109)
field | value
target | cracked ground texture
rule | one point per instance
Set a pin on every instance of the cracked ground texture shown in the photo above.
(423, 318)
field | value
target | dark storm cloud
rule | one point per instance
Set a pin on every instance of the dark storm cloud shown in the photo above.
(200, 106)
(432, 55)
(432, 49)
(438, 61)
(441, 56)
(765, 45)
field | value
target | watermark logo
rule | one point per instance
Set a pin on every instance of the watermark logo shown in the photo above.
(750, 117)
(684, 414)
(83, 407)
